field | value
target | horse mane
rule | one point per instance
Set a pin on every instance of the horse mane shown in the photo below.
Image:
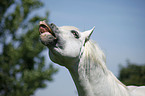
(94, 53)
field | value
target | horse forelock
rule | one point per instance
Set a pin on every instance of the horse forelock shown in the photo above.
(69, 28)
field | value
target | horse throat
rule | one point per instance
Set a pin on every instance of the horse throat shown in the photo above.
(88, 78)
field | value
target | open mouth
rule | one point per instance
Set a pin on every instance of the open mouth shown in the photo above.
(43, 28)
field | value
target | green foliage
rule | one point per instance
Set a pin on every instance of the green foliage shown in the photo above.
(133, 74)
(22, 66)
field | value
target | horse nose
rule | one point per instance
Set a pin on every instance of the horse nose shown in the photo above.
(53, 26)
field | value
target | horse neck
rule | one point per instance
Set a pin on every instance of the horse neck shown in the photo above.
(92, 78)
(88, 77)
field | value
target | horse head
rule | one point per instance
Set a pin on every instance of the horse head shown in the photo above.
(66, 43)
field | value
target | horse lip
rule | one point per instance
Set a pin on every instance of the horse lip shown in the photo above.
(48, 28)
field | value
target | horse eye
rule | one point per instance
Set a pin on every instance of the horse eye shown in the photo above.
(75, 33)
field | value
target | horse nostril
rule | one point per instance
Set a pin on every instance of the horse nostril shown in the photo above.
(52, 25)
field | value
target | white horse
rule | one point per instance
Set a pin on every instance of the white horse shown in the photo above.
(85, 61)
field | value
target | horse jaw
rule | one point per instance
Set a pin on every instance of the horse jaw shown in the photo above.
(67, 50)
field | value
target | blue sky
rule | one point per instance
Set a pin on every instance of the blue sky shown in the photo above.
(119, 31)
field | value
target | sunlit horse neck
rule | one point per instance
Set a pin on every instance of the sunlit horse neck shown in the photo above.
(84, 59)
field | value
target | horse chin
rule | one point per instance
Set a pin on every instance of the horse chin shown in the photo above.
(48, 39)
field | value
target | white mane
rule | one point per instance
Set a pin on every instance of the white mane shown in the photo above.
(93, 54)
(94, 65)
(94, 71)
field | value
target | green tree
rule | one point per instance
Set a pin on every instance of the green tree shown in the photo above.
(22, 65)
(133, 74)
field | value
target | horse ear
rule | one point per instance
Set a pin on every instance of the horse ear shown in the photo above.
(88, 33)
